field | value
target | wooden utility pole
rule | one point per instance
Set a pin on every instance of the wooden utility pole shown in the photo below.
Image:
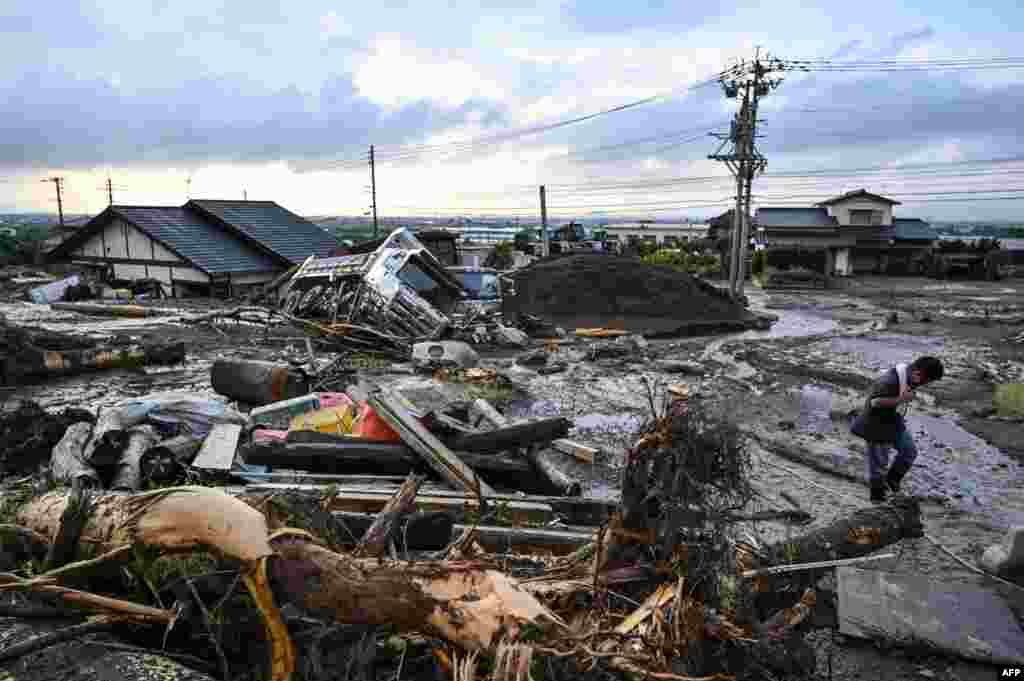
(373, 190)
(110, 192)
(58, 182)
(544, 221)
(748, 83)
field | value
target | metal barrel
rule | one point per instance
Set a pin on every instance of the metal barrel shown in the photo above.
(257, 383)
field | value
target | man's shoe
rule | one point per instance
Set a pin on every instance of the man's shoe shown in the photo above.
(878, 491)
(895, 476)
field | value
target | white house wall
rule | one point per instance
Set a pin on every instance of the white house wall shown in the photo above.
(841, 211)
(121, 241)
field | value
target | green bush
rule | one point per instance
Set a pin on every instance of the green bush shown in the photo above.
(687, 262)
(759, 263)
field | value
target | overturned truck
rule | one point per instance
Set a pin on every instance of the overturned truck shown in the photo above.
(400, 290)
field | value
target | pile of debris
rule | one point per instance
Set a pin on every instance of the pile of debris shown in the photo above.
(595, 290)
(456, 579)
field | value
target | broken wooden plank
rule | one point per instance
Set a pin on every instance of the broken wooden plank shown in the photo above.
(580, 511)
(973, 622)
(433, 451)
(376, 538)
(662, 595)
(218, 451)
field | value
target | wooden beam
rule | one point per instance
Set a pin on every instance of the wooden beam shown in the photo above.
(433, 451)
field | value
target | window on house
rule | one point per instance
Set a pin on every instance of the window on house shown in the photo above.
(865, 217)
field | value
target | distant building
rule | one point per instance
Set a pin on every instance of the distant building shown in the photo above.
(852, 233)
(664, 234)
(201, 247)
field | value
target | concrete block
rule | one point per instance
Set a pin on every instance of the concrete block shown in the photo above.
(1007, 558)
(975, 623)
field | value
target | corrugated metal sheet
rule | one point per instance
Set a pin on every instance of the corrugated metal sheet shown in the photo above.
(207, 245)
(277, 229)
(795, 217)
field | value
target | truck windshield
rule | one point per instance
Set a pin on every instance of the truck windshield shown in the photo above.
(480, 285)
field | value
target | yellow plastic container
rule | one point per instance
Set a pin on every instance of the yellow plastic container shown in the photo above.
(337, 420)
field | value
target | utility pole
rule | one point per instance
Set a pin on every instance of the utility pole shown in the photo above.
(245, 195)
(58, 182)
(544, 221)
(110, 192)
(747, 82)
(373, 190)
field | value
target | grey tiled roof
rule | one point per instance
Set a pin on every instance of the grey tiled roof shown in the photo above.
(205, 244)
(279, 230)
(910, 228)
(858, 193)
(795, 217)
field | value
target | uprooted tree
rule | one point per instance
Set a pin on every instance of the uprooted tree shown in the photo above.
(669, 546)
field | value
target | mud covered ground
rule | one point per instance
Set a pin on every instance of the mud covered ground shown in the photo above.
(789, 388)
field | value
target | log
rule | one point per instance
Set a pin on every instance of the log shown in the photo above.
(109, 438)
(550, 463)
(35, 361)
(128, 476)
(452, 469)
(863, 532)
(166, 460)
(68, 462)
(378, 535)
(511, 437)
(555, 467)
(460, 602)
(112, 310)
(580, 452)
(468, 605)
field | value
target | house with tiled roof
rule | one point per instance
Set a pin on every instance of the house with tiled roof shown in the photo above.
(850, 233)
(201, 247)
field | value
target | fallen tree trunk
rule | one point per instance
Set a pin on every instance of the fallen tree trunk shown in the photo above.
(378, 535)
(550, 463)
(470, 606)
(34, 361)
(68, 462)
(865, 531)
(512, 437)
(461, 602)
(555, 467)
(128, 477)
(112, 310)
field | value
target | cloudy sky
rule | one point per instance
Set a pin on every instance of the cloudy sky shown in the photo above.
(282, 100)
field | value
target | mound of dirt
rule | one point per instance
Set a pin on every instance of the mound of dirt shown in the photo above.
(597, 290)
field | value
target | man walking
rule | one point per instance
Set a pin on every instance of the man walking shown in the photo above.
(882, 424)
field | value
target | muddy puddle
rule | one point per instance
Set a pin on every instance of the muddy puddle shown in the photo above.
(952, 463)
(883, 351)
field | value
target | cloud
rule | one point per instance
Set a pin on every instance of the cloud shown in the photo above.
(600, 17)
(54, 118)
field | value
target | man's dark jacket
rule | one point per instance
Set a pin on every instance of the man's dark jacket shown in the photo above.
(880, 424)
